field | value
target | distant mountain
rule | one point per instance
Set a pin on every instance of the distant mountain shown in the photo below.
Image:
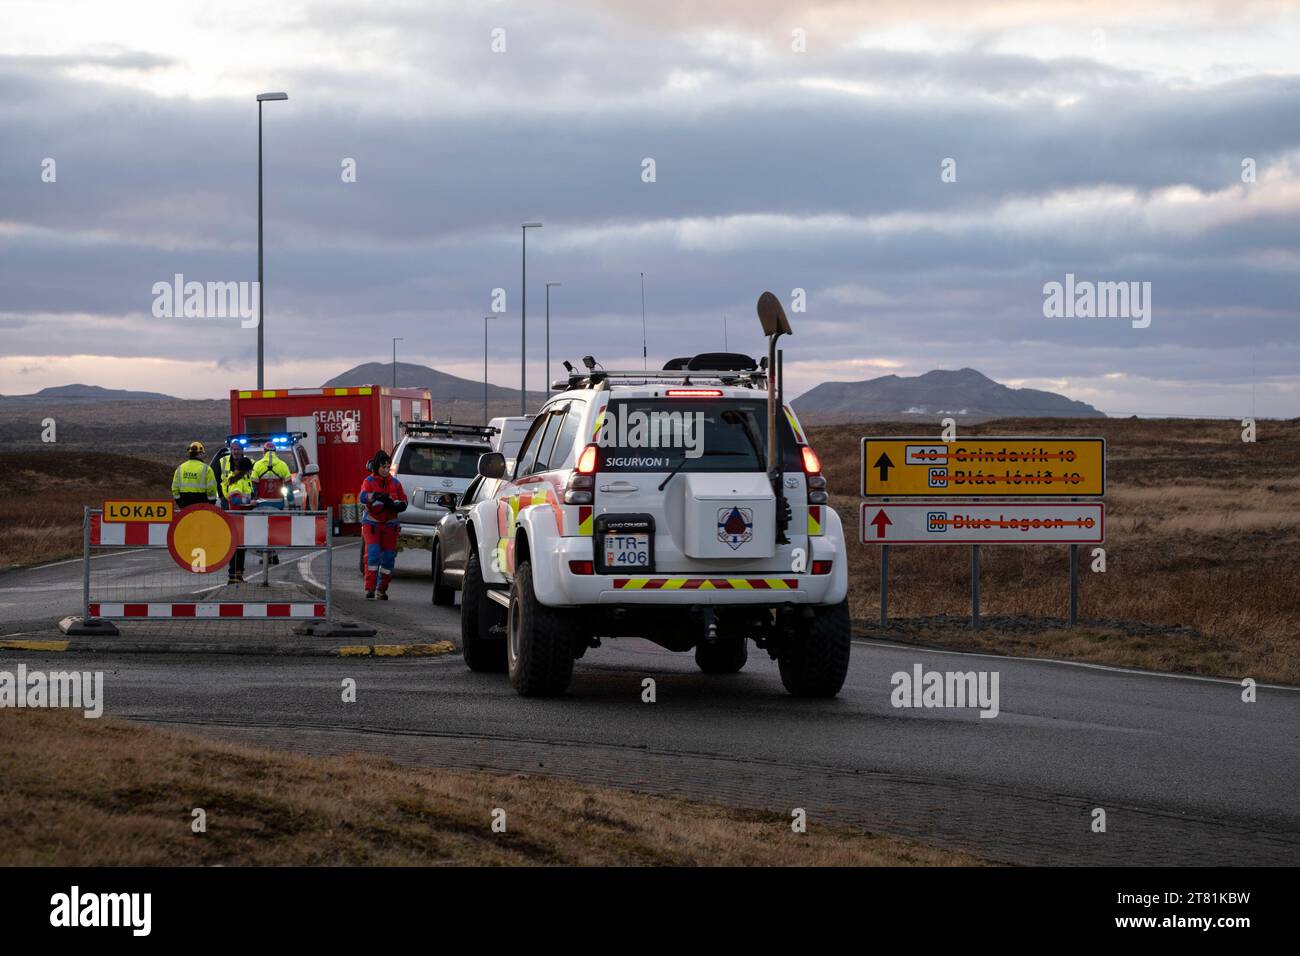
(442, 386)
(91, 393)
(941, 392)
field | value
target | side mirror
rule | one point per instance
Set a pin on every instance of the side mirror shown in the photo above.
(492, 465)
(312, 469)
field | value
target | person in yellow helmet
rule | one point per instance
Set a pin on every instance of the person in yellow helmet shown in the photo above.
(193, 483)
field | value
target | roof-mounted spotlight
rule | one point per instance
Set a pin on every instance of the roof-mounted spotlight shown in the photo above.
(590, 362)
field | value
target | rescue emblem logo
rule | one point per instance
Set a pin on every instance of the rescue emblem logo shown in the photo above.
(735, 526)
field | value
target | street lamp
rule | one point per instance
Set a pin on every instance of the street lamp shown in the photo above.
(547, 383)
(523, 318)
(395, 341)
(261, 312)
(485, 384)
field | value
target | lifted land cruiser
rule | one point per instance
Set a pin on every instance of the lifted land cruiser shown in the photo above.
(650, 504)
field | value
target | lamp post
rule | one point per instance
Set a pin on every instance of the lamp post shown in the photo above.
(261, 312)
(486, 318)
(547, 383)
(523, 318)
(395, 341)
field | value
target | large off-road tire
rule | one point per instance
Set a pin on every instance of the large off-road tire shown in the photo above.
(483, 650)
(815, 658)
(443, 594)
(726, 655)
(540, 641)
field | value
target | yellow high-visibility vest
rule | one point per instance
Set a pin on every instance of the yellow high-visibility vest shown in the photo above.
(194, 476)
(269, 462)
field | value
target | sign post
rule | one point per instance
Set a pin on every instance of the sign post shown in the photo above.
(983, 467)
(975, 470)
(964, 522)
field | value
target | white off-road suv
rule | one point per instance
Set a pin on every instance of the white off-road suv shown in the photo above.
(641, 504)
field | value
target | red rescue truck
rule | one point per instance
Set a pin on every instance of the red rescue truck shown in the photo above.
(344, 427)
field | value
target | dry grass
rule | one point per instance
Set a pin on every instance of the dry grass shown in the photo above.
(42, 494)
(80, 792)
(1202, 541)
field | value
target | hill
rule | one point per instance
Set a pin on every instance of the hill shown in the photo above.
(442, 386)
(89, 393)
(961, 393)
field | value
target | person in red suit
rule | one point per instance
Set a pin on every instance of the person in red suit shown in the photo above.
(383, 498)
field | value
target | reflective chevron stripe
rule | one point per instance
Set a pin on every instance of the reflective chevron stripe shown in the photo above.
(288, 392)
(706, 584)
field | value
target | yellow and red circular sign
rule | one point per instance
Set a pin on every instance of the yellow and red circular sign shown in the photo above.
(201, 538)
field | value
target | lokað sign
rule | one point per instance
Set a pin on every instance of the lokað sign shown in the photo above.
(983, 467)
(952, 522)
(138, 511)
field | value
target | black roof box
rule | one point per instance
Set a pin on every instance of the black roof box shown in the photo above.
(721, 362)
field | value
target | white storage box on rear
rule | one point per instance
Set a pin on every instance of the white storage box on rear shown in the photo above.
(730, 516)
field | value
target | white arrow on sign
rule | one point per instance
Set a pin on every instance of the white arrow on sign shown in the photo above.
(944, 521)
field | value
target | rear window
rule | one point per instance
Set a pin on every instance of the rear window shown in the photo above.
(655, 434)
(440, 461)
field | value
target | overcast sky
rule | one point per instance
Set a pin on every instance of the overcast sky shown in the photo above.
(1100, 139)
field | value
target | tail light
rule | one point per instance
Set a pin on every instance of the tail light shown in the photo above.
(582, 567)
(578, 489)
(821, 567)
(812, 468)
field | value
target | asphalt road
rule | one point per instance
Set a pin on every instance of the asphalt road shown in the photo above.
(1185, 771)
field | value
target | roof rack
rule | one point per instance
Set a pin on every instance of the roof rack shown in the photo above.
(449, 430)
(751, 378)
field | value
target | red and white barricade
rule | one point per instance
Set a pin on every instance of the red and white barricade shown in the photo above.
(253, 531)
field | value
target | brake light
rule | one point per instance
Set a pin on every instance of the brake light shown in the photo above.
(587, 461)
(694, 393)
(821, 567)
(811, 463)
(813, 477)
(582, 567)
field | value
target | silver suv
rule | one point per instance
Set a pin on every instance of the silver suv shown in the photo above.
(435, 462)
(650, 504)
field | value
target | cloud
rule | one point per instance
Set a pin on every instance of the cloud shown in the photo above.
(774, 170)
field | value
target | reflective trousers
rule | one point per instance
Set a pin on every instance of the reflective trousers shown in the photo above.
(380, 542)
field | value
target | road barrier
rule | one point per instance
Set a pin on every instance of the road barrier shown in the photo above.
(202, 540)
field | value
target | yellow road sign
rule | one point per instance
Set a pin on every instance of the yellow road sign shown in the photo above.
(983, 467)
(152, 511)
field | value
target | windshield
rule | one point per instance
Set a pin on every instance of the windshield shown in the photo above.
(440, 461)
(655, 434)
